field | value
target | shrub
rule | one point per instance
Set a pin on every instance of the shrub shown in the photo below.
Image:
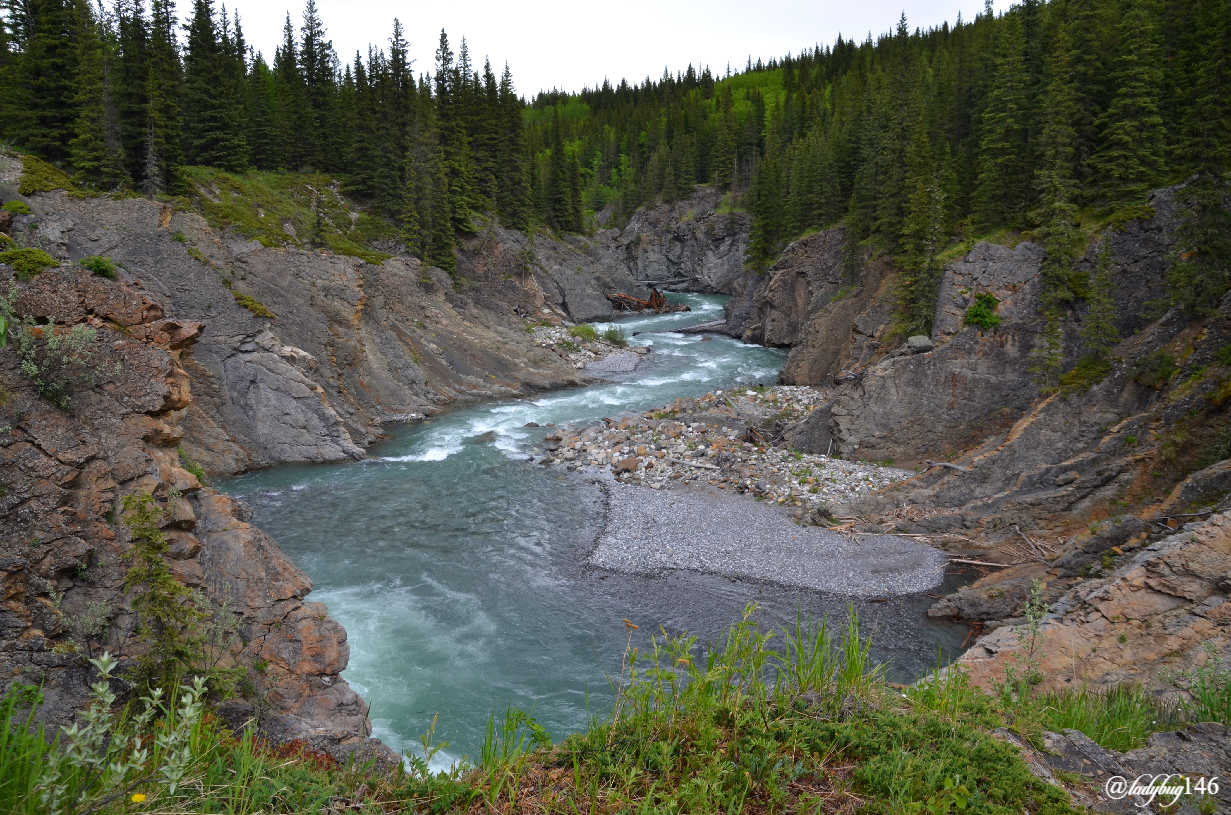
(1223, 355)
(16, 207)
(1088, 372)
(982, 312)
(39, 176)
(192, 467)
(1155, 370)
(28, 262)
(584, 332)
(6, 242)
(59, 361)
(616, 337)
(101, 266)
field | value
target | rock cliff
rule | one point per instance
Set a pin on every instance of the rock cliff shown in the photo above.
(64, 545)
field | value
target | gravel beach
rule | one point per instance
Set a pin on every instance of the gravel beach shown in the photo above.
(651, 532)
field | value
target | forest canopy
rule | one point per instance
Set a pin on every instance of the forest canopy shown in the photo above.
(1035, 119)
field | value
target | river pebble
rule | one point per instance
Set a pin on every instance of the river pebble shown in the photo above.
(706, 442)
(586, 353)
(650, 532)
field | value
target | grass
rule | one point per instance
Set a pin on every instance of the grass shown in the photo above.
(1088, 372)
(584, 332)
(808, 726)
(260, 205)
(616, 336)
(1119, 718)
(39, 176)
(28, 262)
(249, 302)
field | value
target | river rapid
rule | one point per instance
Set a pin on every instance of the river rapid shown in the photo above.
(455, 563)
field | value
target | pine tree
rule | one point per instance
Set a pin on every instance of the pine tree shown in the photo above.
(1004, 158)
(1098, 328)
(1129, 161)
(767, 206)
(96, 152)
(47, 67)
(724, 158)
(211, 121)
(162, 154)
(513, 198)
(1056, 183)
(924, 233)
(130, 69)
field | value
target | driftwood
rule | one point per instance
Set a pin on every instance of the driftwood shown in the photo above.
(657, 302)
(932, 464)
(1033, 545)
(980, 563)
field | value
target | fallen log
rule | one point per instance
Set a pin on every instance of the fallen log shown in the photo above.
(693, 464)
(980, 563)
(932, 464)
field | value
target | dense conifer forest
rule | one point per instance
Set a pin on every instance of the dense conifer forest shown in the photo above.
(1045, 118)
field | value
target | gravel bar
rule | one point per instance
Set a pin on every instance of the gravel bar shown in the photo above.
(651, 532)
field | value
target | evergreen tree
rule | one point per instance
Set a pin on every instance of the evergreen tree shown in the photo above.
(162, 155)
(47, 104)
(1004, 158)
(211, 120)
(96, 152)
(1056, 182)
(924, 233)
(513, 198)
(1098, 328)
(1129, 161)
(767, 206)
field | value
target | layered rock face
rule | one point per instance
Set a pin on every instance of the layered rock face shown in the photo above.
(64, 548)
(686, 246)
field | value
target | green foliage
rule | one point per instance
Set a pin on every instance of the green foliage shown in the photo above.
(60, 360)
(39, 176)
(101, 266)
(1088, 372)
(1118, 718)
(260, 205)
(249, 302)
(982, 312)
(6, 242)
(1155, 370)
(192, 466)
(1223, 354)
(1047, 356)
(1099, 328)
(16, 207)
(168, 618)
(28, 262)
(584, 332)
(616, 336)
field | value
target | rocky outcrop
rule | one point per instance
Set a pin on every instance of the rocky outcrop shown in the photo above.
(686, 246)
(1166, 606)
(65, 548)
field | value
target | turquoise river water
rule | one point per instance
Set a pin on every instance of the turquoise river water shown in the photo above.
(455, 564)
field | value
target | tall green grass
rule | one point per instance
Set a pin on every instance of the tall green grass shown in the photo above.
(1118, 718)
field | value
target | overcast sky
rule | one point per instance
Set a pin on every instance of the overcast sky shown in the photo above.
(569, 45)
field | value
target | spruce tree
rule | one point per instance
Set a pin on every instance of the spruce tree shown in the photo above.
(212, 129)
(1129, 161)
(1004, 150)
(924, 233)
(514, 191)
(97, 154)
(162, 153)
(1098, 328)
(47, 71)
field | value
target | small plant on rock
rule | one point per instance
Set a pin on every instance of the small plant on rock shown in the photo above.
(60, 361)
(16, 207)
(101, 266)
(27, 262)
(982, 312)
(584, 332)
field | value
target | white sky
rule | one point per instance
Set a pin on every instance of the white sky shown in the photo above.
(569, 45)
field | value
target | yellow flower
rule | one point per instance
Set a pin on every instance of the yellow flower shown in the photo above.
(138, 797)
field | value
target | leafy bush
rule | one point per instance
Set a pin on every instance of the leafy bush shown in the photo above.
(615, 335)
(28, 262)
(982, 311)
(39, 176)
(1155, 371)
(59, 361)
(101, 266)
(16, 207)
(584, 332)
(1088, 372)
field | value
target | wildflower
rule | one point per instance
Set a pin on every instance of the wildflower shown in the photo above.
(138, 798)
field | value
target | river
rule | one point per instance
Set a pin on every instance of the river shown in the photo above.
(455, 563)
